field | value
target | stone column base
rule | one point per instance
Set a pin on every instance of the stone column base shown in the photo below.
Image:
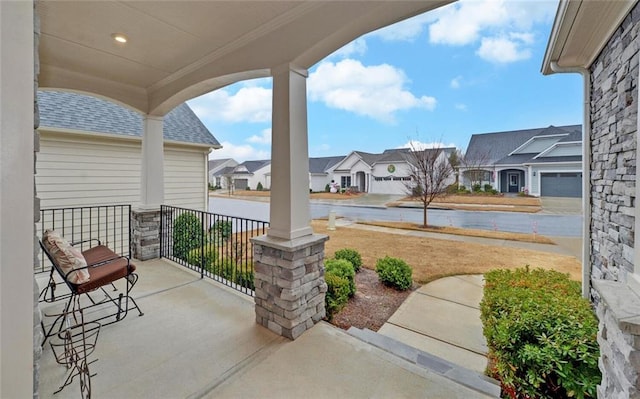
(145, 234)
(289, 283)
(618, 309)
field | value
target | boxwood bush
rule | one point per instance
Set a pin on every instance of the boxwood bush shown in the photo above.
(337, 294)
(541, 335)
(202, 257)
(187, 235)
(394, 272)
(342, 268)
(351, 255)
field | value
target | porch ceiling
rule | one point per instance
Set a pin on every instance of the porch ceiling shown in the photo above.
(177, 50)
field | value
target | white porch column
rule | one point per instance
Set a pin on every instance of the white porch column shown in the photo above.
(145, 222)
(152, 179)
(16, 199)
(290, 215)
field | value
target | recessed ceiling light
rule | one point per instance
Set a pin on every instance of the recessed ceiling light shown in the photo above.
(119, 37)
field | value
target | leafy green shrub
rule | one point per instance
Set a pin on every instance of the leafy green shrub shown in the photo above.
(476, 188)
(394, 272)
(488, 188)
(248, 188)
(494, 191)
(337, 294)
(202, 257)
(187, 235)
(452, 189)
(220, 231)
(351, 255)
(342, 268)
(463, 190)
(541, 334)
(259, 187)
(327, 188)
(245, 278)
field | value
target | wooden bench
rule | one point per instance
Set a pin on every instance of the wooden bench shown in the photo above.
(104, 267)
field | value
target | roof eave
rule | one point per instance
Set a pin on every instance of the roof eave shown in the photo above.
(580, 31)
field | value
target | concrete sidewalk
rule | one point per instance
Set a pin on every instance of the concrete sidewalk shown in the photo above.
(443, 318)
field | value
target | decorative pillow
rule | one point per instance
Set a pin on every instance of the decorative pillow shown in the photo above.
(66, 256)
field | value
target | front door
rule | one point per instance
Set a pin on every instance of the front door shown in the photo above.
(513, 179)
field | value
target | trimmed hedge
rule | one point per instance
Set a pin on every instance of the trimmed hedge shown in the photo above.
(337, 294)
(195, 257)
(394, 272)
(187, 235)
(342, 268)
(351, 255)
(541, 335)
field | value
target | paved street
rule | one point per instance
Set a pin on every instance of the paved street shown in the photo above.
(545, 223)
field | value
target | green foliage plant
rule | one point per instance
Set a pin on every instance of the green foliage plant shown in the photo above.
(337, 294)
(488, 188)
(342, 268)
(541, 334)
(351, 255)
(187, 235)
(477, 188)
(202, 257)
(220, 231)
(327, 188)
(259, 187)
(394, 272)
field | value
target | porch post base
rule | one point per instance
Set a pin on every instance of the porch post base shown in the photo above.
(145, 234)
(289, 283)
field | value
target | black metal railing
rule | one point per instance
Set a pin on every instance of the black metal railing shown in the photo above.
(108, 223)
(216, 246)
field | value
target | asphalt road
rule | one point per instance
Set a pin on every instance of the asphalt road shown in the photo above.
(545, 224)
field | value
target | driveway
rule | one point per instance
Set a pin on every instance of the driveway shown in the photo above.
(561, 206)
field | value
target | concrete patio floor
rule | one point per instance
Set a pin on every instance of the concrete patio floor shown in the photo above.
(199, 339)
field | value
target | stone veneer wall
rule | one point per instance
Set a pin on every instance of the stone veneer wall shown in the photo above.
(614, 108)
(289, 283)
(145, 234)
(38, 334)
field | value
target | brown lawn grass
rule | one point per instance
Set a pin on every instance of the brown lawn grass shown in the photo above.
(479, 202)
(501, 235)
(434, 258)
(254, 193)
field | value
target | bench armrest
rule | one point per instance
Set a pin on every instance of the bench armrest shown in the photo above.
(83, 241)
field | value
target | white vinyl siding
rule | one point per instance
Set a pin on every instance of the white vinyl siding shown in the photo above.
(73, 171)
(185, 178)
(83, 170)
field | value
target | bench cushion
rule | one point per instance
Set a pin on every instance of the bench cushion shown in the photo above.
(66, 257)
(104, 273)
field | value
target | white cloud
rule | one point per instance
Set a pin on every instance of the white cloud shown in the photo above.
(407, 30)
(492, 23)
(502, 50)
(419, 145)
(455, 82)
(240, 153)
(358, 47)
(249, 104)
(263, 138)
(376, 91)
(461, 107)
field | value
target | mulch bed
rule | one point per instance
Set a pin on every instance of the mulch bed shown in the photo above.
(373, 304)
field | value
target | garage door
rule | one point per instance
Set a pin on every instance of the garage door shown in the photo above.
(561, 184)
(241, 184)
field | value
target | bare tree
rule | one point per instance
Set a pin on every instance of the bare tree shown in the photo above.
(430, 171)
(474, 166)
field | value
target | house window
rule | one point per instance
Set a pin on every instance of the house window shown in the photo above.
(345, 181)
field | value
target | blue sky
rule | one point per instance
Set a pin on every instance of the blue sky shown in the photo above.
(470, 67)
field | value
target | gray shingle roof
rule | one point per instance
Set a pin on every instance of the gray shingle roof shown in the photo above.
(495, 147)
(252, 166)
(322, 164)
(227, 170)
(564, 158)
(64, 110)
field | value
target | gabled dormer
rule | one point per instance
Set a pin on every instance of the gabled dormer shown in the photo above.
(538, 144)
